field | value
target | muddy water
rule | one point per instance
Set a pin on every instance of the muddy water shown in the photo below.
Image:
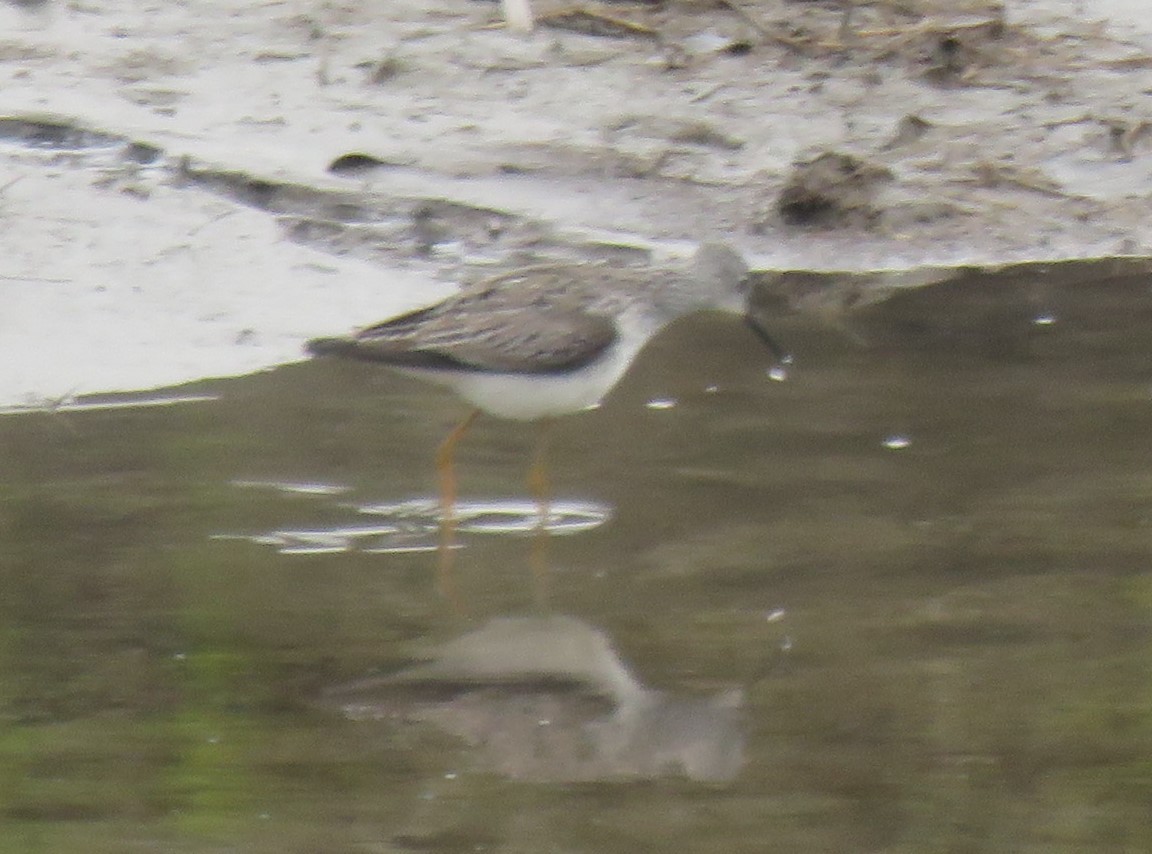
(900, 602)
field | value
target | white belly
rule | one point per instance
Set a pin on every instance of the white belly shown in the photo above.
(528, 397)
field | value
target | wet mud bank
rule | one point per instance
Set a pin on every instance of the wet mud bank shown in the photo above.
(193, 193)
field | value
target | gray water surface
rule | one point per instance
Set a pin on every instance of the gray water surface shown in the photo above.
(900, 602)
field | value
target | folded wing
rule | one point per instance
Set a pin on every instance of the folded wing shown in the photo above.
(480, 335)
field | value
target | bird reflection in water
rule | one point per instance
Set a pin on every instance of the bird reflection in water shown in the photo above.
(548, 699)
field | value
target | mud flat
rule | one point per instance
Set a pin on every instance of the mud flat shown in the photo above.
(191, 190)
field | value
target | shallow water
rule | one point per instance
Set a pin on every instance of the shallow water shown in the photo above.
(900, 602)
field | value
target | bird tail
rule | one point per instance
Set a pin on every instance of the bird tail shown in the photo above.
(331, 346)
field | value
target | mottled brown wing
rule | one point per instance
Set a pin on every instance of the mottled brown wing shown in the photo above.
(389, 341)
(525, 342)
(481, 335)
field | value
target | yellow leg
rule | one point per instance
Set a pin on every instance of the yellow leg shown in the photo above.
(446, 469)
(541, 489)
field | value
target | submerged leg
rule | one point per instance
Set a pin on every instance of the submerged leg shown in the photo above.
(541, 489)
(446, 469)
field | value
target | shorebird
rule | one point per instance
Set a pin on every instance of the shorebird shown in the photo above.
(543, 341)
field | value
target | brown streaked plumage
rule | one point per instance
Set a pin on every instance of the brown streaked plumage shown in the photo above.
(542, 341)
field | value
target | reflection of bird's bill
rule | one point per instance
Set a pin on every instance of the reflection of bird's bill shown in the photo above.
(782, 356)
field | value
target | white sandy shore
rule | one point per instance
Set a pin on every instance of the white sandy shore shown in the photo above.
(113, 276)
